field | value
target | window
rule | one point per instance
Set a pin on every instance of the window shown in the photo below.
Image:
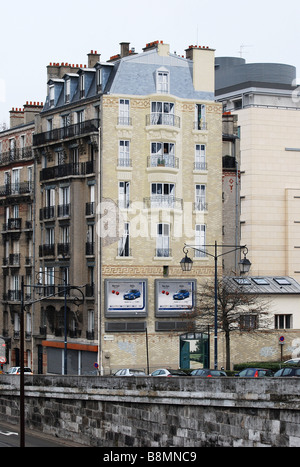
(200, 117)
(260, 281)
(162, 195)
(49, 232)
(51, 95)
(124, 112)
(248, 322)
(124, 195)
(282, 281)
(162, 113)
(64, 201)
(283, 321)
(162, 82)
(15, 188)
(123, 248)
(124, 159)
(200, 240)
(163, 240)
(200, 157)
(162, 154)
(99, 79)
(91, 324)
(12, 149)
(200, 198)
(81, 84)
(67, 90)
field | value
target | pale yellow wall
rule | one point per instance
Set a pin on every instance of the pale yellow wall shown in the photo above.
(124, 349)
(268, 170)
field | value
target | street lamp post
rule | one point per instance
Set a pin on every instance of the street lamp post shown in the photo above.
(186, 265)
(22, 343)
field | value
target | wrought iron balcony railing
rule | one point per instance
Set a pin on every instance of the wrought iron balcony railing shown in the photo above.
(66, 132)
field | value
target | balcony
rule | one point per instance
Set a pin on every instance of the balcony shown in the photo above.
(157, 118)
(47, 213)
(67, 170)
(166, 160)
(47, 250)
(13, 224)
(163, 202)
(63, 249)
(89, 209)
(163, 252)
(12, 189)
(66, 132)
(15, 155)
(63, 210)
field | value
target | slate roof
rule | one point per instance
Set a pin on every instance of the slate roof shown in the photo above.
(264, 284)
(136, 75)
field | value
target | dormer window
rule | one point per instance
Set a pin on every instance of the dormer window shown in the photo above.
(67, 91)
(51, 95)
(162, 81)
(82, 90)
(99, 79)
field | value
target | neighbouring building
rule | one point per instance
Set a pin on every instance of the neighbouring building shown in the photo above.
(17, 217)
(264, 99)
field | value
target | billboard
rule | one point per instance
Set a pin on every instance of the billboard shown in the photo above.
(174, 297)
(125, 297)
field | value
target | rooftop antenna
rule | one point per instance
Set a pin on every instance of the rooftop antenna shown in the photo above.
(242, 47)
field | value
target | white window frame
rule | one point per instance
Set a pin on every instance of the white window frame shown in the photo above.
(163, 240)
(200, 157)
(200, 240)
(200, 197)
(124, 112)
(124, 194)
(162, 81)
(124, 153)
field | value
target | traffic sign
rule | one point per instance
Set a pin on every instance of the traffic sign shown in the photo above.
(2, 360)
(281, 340)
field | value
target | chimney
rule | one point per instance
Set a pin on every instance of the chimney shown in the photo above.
(31, 109)
(124, 50)
(16, 117)
(203, 67)
(162, 49)
(93, 58)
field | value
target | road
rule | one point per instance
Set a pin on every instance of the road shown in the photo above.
(9, 438)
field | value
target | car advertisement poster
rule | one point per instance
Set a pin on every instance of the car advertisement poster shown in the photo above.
(175, 296)
(125, 296)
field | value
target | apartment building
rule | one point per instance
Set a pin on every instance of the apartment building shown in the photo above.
(17, 211)
(128, 156)
(264, 98)
(161, 182)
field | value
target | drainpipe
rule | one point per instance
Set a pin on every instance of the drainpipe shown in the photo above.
(99, 249)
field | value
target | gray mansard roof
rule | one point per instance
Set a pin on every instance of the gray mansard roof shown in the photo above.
(132, 75)
(136, 75)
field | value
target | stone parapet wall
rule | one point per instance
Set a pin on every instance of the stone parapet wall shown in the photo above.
(158, 412)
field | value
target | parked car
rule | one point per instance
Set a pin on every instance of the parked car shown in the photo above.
(168, 372)
(292, 361)
(16, 370)
(132, 294)
(287, 372)
(208, 373)
(181, 294)
(129, 372)
(255, 372)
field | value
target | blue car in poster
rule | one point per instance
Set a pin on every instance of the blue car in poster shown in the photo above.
(132, 294)
(181, 294)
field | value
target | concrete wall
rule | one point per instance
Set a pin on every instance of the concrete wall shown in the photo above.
(158, 412)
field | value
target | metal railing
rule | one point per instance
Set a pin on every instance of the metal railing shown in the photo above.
(70, 131)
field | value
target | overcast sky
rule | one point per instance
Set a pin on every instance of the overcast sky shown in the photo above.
(34, 33)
